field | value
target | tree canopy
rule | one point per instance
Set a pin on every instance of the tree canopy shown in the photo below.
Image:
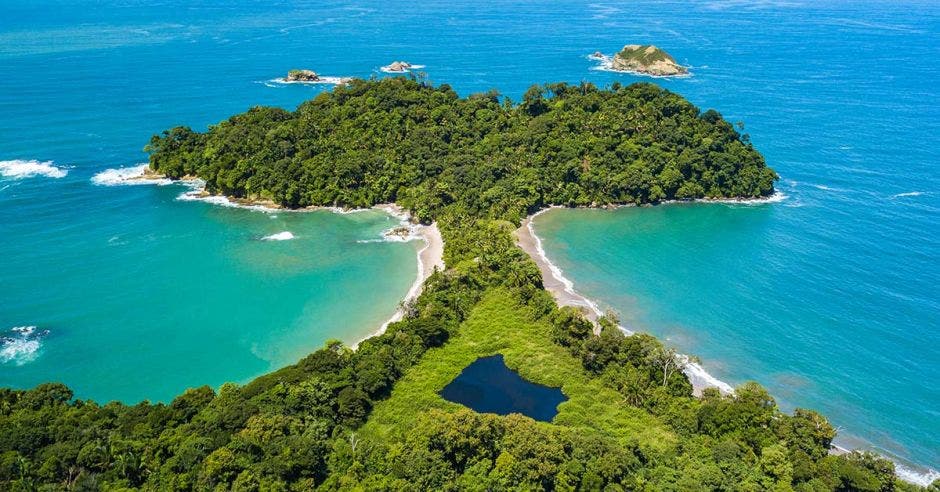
(370, 418)
(399, 140)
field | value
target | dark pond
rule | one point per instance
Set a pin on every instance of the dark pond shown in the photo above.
(488, 386)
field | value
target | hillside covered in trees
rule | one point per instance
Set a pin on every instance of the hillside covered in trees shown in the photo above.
(371, 419)
(425, 148)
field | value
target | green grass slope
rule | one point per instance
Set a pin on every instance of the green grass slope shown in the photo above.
(498, 325)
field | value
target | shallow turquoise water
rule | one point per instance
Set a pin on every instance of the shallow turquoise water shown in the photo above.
(143, 295)
(829, 297)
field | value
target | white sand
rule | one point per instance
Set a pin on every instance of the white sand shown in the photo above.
(562, 289)
(430, 258)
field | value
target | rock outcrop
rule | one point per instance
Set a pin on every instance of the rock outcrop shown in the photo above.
(397, 66)
(302, 76)
(646, 59)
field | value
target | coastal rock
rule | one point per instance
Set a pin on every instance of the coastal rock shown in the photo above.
(401, 233)
(597, 55)
(646, 59)
(302, 76)
(397, 66)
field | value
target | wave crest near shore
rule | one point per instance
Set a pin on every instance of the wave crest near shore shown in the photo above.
(21, 345)
(323, 80)
(128, 176)
(20, 169)
(924, 479)
(281, 236)
(606, 64)
(698, 376)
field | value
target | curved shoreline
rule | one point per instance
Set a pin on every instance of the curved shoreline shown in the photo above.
(562, 289)
(430, 259)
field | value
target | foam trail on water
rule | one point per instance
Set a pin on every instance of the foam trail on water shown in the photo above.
(134, 175)
(19, 169)
(281, 236)
(909, 193)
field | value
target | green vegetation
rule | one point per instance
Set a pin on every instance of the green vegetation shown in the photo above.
(647, 59)
(425, 148)
(498, 325)
(370, 419)
(645, 54)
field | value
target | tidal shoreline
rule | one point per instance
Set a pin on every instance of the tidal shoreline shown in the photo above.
(562, 289)
(430, 259)
(565, 294)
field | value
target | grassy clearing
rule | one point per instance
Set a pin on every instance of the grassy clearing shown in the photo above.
(498, 325)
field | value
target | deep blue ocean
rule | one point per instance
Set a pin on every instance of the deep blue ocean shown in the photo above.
(829, 297)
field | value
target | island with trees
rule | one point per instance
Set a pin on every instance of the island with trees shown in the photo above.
(302, 75)
(372, 418)
(643, 59)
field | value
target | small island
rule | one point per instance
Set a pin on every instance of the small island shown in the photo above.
(398, 67)
(645, 59)
(591, 406)
(302, 76)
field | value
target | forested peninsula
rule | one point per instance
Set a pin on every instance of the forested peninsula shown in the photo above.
(371, 418)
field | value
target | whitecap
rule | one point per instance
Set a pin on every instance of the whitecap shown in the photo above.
(777, 197)
(323, 79)
(19, 169)
(387, 69)
(281, 236)
(924, 478)
(21, 345)
(198, 194)
(133, 175)
(909, 193)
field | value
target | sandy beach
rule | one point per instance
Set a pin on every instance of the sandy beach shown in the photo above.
(552, 278)
(562, 289)
(430, 258)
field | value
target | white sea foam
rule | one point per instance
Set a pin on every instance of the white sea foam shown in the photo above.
(777, 197)
(321, 80)
(21, 345)
(386, 69)
(909, 193)
(281, 236)
(827, 188)
(19, 169)
(198, 194)
(696, 373)
(922, 478)
(557, 272)
(606, 64)
(123, 176)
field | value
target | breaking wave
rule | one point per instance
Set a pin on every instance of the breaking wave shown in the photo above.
(606, 64)
(19, 169)
(127, 176)
(21, 344)
(281, 236)
(322, 80)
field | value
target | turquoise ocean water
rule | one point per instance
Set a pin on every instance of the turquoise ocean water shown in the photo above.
(829, 297)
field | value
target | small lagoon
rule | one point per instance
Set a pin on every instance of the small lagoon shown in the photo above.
(489, 386)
